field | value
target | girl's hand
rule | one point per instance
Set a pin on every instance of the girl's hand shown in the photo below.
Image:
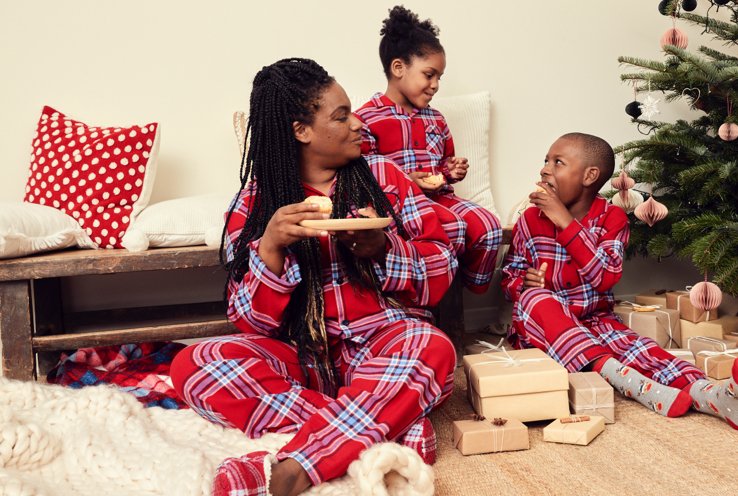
(457, 167)
(417, 178)
(284, 227)
(535, 278)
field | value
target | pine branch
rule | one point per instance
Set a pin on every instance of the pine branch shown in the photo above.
(652, 65)
(719, 29)
(716, 55)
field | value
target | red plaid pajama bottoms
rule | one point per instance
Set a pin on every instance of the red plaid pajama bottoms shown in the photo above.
(542, 320)
(482, 237)
(255, 383)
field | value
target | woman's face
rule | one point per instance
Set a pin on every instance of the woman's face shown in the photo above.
(334, 137)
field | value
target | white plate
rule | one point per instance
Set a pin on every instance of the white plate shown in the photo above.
(348, 224)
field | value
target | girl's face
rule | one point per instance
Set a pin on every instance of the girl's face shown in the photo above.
(334, 137)
(418, 82)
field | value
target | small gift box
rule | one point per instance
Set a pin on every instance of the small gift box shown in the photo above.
(711, 329)
(717, 364)
(574, 430)
(590, 394)
(486, 347)
(732, 338)
(683, 354)
(679, 301)
(660, 324)
(526, 385)
(473, 437)
(705, 343)
(655, 297)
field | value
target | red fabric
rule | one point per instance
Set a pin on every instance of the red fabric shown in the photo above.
(94, 174)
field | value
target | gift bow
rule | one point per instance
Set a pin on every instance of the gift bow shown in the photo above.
(492, 347)
(656, 310)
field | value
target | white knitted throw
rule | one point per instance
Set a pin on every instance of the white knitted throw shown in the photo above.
(56, 441)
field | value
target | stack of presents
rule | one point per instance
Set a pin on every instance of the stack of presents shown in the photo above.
(508, 387)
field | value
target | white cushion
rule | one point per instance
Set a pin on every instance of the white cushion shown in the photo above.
(468, 118)
(190, 221)
(27, 228)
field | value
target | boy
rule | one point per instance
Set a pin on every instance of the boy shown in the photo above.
(566, 255)
(400, 125)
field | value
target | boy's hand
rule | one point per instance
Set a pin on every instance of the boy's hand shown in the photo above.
(550, 204)
(457, 167)
(427, 188)
(535, 278)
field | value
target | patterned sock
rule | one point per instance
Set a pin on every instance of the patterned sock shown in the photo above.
(247, 475)
(664, 400)
(717, 398)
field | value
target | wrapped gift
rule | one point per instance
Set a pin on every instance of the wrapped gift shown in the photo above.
(733, 338)
(574, 430)
(705, 343)
(523, 384)
(487, 347)
(473, 437)
(711, 329)
(652, 297)
(590, 394)
(679, 301)
(717, 364)
(684, 354)
(660, 324)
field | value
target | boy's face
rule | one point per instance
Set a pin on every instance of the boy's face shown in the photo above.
(565, 170)
(334, 136)
(419, 81)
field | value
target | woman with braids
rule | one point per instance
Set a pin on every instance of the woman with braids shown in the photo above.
(335, 345)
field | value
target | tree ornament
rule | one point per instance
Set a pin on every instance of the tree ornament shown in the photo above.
(623, 182)
(705, 296)
(651, 211)
(649, 107)
(663, 4)
(633, 109)
(728, 131)
(674, 37)
(628, 200)
(689, 5)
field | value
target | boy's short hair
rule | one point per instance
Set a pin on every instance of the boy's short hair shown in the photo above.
(405, 36)
(597, 153)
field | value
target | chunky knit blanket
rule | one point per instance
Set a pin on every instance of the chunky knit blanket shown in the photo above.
(56, 441)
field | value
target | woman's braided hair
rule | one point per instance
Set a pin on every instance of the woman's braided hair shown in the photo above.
(287, 91)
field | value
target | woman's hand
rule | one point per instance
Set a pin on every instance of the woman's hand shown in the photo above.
(369, 243)
(417, 178)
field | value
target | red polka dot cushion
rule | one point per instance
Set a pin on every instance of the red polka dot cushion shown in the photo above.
(101, 176)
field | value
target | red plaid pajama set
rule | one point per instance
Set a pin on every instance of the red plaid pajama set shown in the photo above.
(571, 319)
(394, 367)
(421, 142)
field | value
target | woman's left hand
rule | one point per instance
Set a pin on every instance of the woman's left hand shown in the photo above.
(370, 243)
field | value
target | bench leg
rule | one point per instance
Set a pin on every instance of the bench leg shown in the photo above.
(16, 350)
(451, 315)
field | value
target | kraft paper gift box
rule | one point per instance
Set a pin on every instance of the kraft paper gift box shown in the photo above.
(705, 343)
(684, 354)
(679, 300)
(652, 297)
(733, 338)
(590, 394)
(487, 346)
(581, 433)
(660, 324)
(717, 364)
(713, 329)
(473, 437)
(526, 385)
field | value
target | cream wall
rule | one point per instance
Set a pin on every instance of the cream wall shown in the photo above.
(551, 67)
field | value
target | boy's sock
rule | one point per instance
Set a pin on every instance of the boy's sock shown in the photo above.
(664, 400)
(717, 398)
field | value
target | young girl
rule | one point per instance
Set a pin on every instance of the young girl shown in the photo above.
(329, 348)
(400, 125)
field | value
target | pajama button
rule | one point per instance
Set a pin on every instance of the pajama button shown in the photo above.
(344, 322)
(568, 284)
(416, 143)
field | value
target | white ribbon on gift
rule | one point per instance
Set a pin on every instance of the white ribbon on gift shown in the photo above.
(596, 408)
(492, 348)
(679, 303)
(732, 352)
(656, 308)
(714, 341)
(498, 441)
(507, 360)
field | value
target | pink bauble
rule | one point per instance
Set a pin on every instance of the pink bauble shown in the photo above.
(651, 211)
(628, 200)
(674, 37)
(705, 296)
(622, 182)
(728, 131)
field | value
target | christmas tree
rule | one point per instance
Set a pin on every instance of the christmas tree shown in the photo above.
(690, 167)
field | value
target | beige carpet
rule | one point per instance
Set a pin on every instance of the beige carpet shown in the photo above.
(642, 453)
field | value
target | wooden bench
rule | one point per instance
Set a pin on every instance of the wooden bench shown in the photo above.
(33, 321)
